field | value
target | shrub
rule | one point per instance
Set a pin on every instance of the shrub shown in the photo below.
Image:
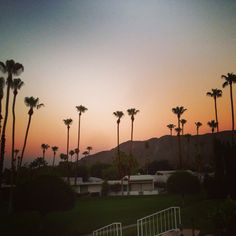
(44, 194)
(224, 218)
(183, 182)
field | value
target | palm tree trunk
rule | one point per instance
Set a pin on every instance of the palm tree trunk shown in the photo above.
(179, 146)
(12, 156)
(3, 139)
(232, 106)
(53, 162)
(77, 154)
(131, 138)
(43, 154)
(216, 115)
(182, 129)
(171, 132)
(25, 141)
(67, 152)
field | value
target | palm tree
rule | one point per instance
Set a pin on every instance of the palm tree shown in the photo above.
(89, 149)
(230, 78)
(68, 123)
(32, 103)
(11, 68)
(15, 86)
(171, 127)
(81, 109)
(178, 130)
(85, 153)
(198, 125)
(132, 112)
(215, 93)
(179, 111)
(2, 85)
(44, 147)
(119, 115)
(183, 122)
(72, 152)
(212, 124)
(54, 149)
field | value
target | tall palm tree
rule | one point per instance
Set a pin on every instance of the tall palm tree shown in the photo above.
(230, 78)
(178, 111)
(44, 148)
(32, 103)
(118, 115)
(212, 124)
(54, 149)
(198, 125)
(171, 127)
(183, 122)
(89, 149)
(215, 93)
(2, 85)
(12, 68)
(80, 109)
(72, 152)
(68, 123)
(15, 86)
(132, 112)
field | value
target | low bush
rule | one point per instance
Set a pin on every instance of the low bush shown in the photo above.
(183, 182)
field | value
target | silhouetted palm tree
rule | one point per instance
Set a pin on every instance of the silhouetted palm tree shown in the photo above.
(89, 149)
(171, 127)
(2, 85)
(81, 109)
(132, 112)
(178, 130)
(44, 148)
(118, 115)
(212, 124)
(54, 149)
(215, 93)
(85, 153)
(68, 123)
(72, 152)
(178, 111)
(11, 68)
(230, 78)
(198, 125)
(183, 122)
(15, 86)
(32, 103)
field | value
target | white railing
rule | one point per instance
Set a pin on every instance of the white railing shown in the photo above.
(161, 222)
(114, 229)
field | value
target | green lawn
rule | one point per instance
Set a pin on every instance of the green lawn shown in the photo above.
(92, 213)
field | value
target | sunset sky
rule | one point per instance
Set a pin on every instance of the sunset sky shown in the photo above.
(111, 55)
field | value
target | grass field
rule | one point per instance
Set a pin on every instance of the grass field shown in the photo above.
(92, 213)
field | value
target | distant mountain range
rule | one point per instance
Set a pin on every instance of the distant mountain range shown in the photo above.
(165, 148)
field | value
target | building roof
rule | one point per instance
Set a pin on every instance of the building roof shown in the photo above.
(139, 177)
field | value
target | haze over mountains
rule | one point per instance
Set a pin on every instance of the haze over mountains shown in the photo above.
(166, 148)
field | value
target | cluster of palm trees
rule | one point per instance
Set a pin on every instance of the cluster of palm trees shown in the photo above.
(13, 69)
(230, 79)
(132, 112)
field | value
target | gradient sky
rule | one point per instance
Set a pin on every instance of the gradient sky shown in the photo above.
(111, 55)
